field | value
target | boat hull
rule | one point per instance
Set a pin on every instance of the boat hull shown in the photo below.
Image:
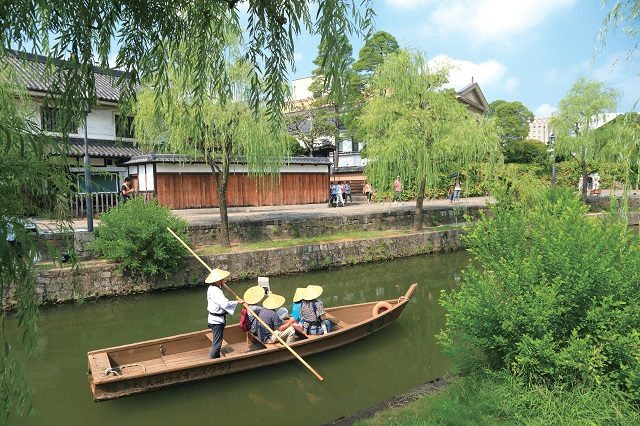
(190, 361)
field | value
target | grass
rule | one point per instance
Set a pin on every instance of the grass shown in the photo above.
(492, 399)
(292, 242)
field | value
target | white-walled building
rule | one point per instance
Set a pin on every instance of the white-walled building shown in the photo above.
(540, 128)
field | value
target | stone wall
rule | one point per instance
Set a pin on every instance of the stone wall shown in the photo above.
(99, 279)
(269, 229)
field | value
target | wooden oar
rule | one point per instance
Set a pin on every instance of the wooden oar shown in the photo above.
(248, 308)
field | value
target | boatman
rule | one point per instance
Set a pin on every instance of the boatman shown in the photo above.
(218, 307)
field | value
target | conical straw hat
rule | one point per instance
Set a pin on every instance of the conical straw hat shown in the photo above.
(253, 294)
(217, 275)
(312, 292)
(298, 295)
(273, 301)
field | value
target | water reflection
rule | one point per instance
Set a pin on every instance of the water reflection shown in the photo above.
(359, 375)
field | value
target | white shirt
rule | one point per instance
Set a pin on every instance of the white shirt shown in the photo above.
(217, 303)
(458, 187)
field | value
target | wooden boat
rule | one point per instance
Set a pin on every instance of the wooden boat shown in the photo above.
(154, 364)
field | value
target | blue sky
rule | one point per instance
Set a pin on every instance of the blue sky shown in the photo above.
(526, 50)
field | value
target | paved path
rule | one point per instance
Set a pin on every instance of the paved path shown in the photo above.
(210, 216)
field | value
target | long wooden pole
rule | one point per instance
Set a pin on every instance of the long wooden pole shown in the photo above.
(248, 308)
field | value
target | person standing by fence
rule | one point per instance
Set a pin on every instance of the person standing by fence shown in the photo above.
(126, 190)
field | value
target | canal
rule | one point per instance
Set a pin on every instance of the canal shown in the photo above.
(357, 376)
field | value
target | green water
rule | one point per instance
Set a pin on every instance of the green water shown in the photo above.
(359, 375)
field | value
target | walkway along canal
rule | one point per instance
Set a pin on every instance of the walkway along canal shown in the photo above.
(362, 374)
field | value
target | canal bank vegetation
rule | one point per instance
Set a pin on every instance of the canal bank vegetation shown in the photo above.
(501, 398)
(134, 234)
(544, 327)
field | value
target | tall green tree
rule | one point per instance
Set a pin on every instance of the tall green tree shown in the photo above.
(579, 112)
(217, 131)
(33, 181)
(375, 50)
(415, 129)
(512, 118)
(143, 33)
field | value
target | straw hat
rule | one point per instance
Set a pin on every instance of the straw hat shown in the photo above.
(253, 295)
(298, 295)
(217, 275)
(273, 301)
(312, 292)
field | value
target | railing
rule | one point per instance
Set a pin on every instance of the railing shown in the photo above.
(102, 201)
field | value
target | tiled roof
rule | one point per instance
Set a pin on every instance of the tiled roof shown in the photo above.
(31, 71)
(102, 148)
(176, 158)
(349, 169)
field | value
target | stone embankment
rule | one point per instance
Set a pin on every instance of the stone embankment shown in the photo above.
(98, 278)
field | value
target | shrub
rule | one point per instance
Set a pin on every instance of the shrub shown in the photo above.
(553, 296)
(135, 234)
(526, 151)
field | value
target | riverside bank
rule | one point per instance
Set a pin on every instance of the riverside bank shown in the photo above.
(94, 278)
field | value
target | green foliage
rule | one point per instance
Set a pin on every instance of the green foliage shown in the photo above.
(375, 50)
(416, 130)
(488, 399)
(32, 182)
(625, 16)
(216, 130)
(135, 234)
(526, 151)
(552, 297)
(146, 35)
(611, 174)
(512, 119)
(578, 113)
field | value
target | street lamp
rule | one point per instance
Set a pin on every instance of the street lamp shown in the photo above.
(552, 150)
(87, 171)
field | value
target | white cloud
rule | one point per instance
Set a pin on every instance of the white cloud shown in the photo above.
(488, 74)
(490, 20)
(544, 110)
(297, 56)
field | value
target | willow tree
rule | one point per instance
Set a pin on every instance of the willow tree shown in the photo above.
(142, 33)
(579, 113)
(33, 181)
(416, 129)
(218, 131)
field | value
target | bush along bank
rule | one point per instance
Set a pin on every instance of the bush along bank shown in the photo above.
(99, 279)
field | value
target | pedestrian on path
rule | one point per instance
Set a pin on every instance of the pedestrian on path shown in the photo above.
(347, 192)
(339, 198)
(397, 189)
(368, 191)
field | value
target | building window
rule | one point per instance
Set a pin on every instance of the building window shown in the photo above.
(124, 127)
(51, 121)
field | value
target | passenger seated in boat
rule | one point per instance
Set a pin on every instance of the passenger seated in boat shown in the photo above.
(268, 314)
(253, 296)
(297, 302)
(312, 315)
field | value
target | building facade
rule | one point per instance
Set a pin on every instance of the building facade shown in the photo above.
(113, 155)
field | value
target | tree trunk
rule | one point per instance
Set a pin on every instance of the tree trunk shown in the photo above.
(583, 167)
(222, 180)
(417, 217)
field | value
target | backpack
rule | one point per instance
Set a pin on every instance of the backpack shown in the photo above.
(245, 321)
